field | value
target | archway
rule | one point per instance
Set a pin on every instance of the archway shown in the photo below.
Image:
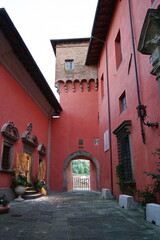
(85, 155)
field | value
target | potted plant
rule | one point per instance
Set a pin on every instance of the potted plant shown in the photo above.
(20, 183)
(4, 204)
(39, 183)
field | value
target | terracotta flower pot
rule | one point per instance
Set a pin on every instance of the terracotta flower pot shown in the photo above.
(4, 209)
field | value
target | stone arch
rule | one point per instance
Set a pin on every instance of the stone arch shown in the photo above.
(85, 155)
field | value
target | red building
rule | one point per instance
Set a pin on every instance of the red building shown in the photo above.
(108, 92)
(27, 105)
(125, 83)
(125, 86)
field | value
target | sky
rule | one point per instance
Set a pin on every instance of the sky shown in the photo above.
(39, 21)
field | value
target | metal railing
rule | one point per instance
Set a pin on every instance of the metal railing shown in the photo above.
(81, 182)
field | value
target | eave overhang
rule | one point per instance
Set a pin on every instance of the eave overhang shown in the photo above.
(102, 20)
(55, 42)
(25, 57)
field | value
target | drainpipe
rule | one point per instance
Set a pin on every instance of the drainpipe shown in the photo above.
(109, 120)
(49, 149)
(136, 70)
(109, 113)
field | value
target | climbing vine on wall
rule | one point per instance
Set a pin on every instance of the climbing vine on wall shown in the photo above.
(125, 187)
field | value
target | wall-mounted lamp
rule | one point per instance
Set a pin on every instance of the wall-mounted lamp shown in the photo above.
(141, 109)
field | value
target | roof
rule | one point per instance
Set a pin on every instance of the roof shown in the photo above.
(54, 42)
(102, 20)
(22, 52)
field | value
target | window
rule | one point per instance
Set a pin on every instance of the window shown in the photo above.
(122, 102)
(106, 140)
(11, 135)
(124, 149)
(102, 87)
(80, 143)
(96, 141)
(42, 152)
(118, 51)
(69, 65)
(6, 163)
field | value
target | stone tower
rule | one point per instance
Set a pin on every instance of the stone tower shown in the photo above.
(76, 130)
(70, 64)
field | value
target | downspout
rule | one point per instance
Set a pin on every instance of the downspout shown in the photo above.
(109, 113)
(49, 148)
(136, 70)
(109, 120)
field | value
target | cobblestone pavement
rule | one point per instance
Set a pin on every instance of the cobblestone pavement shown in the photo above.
(74, 216)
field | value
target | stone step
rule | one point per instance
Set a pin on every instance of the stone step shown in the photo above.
(31, 196)
(31, 193)
(28, 192)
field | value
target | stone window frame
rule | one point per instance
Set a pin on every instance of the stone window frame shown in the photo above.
(41, 152)
(30, 143)
(29, 140)
(124, 147)
(10, 136)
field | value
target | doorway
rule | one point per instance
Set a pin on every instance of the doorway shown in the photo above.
(81, 174)
(94, 176)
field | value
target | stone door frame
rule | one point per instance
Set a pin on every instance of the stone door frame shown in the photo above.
(83, 154)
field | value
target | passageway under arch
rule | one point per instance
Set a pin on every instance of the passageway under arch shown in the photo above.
(94, 173)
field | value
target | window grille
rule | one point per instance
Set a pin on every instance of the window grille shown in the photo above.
(6, 156)
(124, 149)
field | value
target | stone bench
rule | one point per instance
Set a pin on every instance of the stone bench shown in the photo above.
(153, 213)
(127, 202)
(106, 193)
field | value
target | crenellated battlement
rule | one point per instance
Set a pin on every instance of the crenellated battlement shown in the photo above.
(81, 84)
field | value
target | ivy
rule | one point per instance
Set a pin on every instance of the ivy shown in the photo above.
(120, 176)
(125, 187)
(146, 196)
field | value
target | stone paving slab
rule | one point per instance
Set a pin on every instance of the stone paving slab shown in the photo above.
(74, 216)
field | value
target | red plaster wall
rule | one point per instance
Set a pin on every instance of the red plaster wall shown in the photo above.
(18, 107)
(93, 177)
(78, 120)
(120, 81)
